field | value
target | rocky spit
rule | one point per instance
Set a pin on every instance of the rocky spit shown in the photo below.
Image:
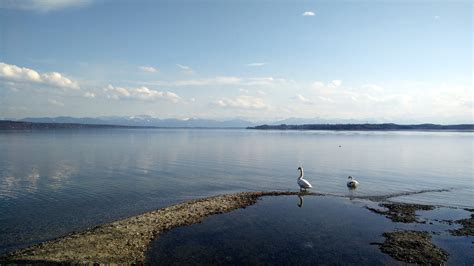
(126, 241)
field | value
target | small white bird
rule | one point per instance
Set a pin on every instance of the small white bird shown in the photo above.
(303, 183)
(352, 183)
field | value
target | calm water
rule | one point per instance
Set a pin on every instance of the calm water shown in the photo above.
(277, 231)
(52, 182)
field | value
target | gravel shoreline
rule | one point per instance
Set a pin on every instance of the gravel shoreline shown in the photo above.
(126, 241)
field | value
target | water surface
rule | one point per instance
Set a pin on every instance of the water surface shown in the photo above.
(286, 231)
(56, 181)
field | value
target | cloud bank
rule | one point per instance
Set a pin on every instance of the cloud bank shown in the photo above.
(243, 102)
(140, 93)
(16, 74)
(43, 5)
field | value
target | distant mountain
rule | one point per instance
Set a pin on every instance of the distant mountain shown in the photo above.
(367, 127)
(143, 121)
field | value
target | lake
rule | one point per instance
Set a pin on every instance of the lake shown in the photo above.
(56, 181)
(304, 230)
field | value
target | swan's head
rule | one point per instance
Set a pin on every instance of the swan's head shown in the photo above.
(350, 177)
(300, 168)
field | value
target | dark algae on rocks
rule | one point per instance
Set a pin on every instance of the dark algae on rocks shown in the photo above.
(402, 212)
(413, 247)
(467, 227)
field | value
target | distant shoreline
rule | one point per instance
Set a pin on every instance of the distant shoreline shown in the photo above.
(21, 125)
(369, 127)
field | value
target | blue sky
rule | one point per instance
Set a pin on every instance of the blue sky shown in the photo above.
(399, 61)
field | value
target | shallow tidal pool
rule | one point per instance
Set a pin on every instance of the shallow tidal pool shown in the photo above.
(302, 231)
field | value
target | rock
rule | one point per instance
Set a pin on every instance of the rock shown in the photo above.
(467, 227)
(413, 247)
(401, 212)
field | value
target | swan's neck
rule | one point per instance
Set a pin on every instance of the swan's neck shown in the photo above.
(301, 174)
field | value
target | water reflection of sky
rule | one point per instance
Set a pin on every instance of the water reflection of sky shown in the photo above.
(277, 231)
(52, 182)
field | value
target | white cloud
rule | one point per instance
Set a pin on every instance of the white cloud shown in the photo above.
(140, 93)
(185, 69)
(335, 84)
(219, 81)
(148, 69)
(302, 99)
(317, 85)
(89, 94)
(372, 87)
(243, 102)
(256, 64)
(320, 86)
(57, 79)
(308, 14)
(264, 81)
(43, 5)
(27, 75)
(326, 99)
(55, 103)
(216, 81)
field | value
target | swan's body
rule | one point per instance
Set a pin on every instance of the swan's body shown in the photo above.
(352, 183)
(303, 183)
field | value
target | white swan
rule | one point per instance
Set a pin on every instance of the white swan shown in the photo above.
(352, 183)
(303, 183)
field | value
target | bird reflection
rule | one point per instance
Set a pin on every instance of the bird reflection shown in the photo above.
(351, 192)
(300, 203)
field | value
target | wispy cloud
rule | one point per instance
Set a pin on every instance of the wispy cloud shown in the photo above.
(15, 74)
(308, 14)
(89, 94)
(140, 93)
(55, 103)
(185, 69)
(148, 69)
(319, 85)
(43, 5)
(216, 81)
(300, 98)
(257, 64)
(335, 84)
(219, 81)
(243, 102)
